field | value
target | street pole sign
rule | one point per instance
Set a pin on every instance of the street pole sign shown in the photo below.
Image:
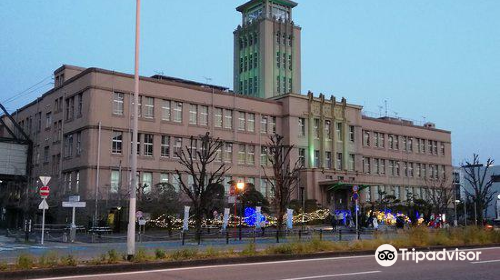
(73, 203)
(355, 196)
(44, 193)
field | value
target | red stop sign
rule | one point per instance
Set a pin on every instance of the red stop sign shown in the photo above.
(44, 191)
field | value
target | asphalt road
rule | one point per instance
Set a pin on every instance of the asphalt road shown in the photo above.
(356, 267)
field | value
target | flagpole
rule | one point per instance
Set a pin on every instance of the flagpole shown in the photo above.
(133, 164)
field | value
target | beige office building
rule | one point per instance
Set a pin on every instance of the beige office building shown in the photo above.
(84, 122)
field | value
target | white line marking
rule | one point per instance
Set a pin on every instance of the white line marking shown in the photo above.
(333, 275)
(489, 261)
(201, 267)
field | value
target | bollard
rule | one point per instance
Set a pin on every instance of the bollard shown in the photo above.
(227, 236)
(340, 235)
(300, 234)
(183, 238)
(320, 234)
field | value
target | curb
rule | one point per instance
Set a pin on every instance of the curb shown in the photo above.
(132, 267)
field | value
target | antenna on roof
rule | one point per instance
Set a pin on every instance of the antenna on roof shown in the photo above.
(159, 73)
(207, 79)
(385, 103)
(380, 111)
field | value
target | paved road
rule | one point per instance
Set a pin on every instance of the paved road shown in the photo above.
(356, 267)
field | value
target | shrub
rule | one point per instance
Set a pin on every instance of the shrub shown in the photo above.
(249, 250)
(48, 260)
(184, 254)
(113, 256)
(3, 266)
(25, 261)
(160, 254)
(69, 260)
(140, 256)
(211, 252)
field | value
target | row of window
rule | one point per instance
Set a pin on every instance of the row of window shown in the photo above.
(249, 86)
(284, 39)
(328, 161)
(403, 193)
(396, 168)
(249, 40)
(405, 143)
(198, 114)
(326, 129)
(282, 86)
(249, 62)
(282, 61)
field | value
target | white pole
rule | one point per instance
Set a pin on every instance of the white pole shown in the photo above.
(356, 211)
(43, 224)
(97, 173)
(133, 164)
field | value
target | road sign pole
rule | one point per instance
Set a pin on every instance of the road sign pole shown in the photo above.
(357, 227)
(43, 224)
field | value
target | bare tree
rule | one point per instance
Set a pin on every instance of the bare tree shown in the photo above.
(481, 191)
(285, 175)
(196, 163)
(440, 194)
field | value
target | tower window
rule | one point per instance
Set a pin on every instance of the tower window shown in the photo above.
(278, 37)
(255, 85)
(241, 43)
(250, 86)
(255, 60)
(284, 60)
(245, 64)
(250, 62)
(278, 60)
(278, 84)
(290, 62)
(241, 64)
(284, 85)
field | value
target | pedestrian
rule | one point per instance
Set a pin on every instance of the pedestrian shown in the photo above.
(375, 224)
(334, 223)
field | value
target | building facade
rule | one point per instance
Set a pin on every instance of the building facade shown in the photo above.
(81, 129)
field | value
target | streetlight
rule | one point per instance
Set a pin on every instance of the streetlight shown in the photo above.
(240, 186)
(498, 207)
(455, 222)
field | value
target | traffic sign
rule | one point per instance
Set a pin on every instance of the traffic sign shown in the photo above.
(43, 205)
(44, 191)
(355, 196)
(45, 180)
(78, 204)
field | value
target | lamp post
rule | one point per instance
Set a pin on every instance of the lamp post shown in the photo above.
(302, 189)
(498, 207)
(455, 222)
(240, 186)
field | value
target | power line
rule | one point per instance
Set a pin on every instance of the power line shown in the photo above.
(19, 94)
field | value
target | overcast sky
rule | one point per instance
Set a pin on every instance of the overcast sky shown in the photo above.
(432, 60)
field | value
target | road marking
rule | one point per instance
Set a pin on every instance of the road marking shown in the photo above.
(489, 261)
(201, 267)
(333, 275)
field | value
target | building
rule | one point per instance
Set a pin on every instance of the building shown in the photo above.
(82, 131)
(493, 173)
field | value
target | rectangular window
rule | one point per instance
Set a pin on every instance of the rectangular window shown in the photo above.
(328, 160)
(178, 112)
(165, 110)
(241, 121)
(376, 139)
(250, 122)
(218, 117)
(241, 154)
(193, 114)
(382, 140)
(410, 144)
(302, 157)
(391, 142)
(302, 127)
(316, 158)
(251, 155)
(351, 162)
(273, 125)
(165, 146)
(263, 125)
(203, 115)
(382, 166)
(366, 138)
(79, 105)
(68, 145)
(278, 60)
(328, 130)
(228, 152)
(78, 143)
(114, 181)
(148, 144)
(147, 182)
(351, 133)
(177, 147)
(250, 85)
(48, 120)
(149, 107)
(194, 147)
(218, 154)
(316, 128)
(278, 82)
(228, 119)
(340, 132)
(46, 154)
(117, 142)
(263, 156)
(340, 161)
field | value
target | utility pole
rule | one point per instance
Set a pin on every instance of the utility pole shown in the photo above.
(135, 124)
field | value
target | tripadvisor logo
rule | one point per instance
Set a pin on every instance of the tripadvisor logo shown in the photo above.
(386, 255)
